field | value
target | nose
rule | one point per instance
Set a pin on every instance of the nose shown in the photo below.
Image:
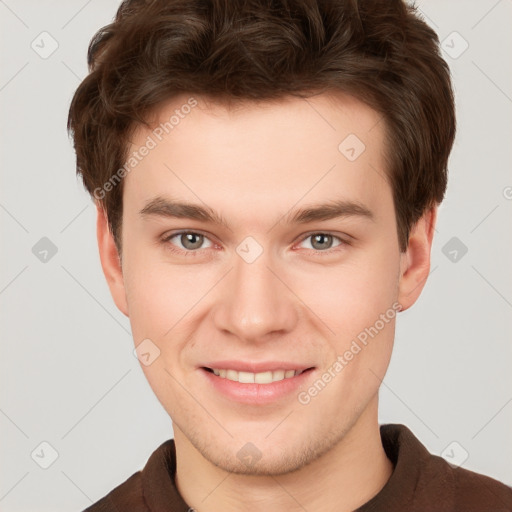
(254, 301)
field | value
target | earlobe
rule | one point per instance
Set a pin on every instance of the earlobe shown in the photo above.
(415, 261)
(110, 261)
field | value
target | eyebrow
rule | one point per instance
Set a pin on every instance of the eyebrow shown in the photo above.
(162, 207)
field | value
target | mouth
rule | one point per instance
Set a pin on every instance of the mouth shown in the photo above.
(256, 383)
(263, 377)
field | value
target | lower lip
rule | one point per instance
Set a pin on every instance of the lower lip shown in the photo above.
(256, 394)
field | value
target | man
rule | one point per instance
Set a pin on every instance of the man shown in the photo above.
(267, 177)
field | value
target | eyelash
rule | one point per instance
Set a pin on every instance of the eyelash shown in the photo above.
(194, 253)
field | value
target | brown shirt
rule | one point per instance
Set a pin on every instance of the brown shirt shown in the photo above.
(419, 482)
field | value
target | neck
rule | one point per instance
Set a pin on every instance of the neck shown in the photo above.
(341, 480)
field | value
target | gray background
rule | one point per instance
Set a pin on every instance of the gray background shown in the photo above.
(68, 374)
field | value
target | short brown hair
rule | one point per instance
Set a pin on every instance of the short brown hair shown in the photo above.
(379, 51)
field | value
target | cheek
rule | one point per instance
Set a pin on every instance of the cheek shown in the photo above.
(350, 296)
(156, 298)
(156, 305)
(158, 301)
(166, 302)
(358, 304)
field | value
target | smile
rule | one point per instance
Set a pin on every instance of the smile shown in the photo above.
(266, 377)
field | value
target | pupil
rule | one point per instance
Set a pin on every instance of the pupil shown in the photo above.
(321, 236)
(188, 237)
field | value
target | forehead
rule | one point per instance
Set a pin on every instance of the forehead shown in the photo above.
(260, 154)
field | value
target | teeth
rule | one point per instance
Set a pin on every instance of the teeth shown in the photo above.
(256, 378)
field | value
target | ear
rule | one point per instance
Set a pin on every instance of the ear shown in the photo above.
(110, 261)
(415, 261)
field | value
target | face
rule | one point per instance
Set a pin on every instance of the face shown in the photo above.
(269, 287)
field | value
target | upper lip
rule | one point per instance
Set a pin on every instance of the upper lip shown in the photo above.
(256, 367)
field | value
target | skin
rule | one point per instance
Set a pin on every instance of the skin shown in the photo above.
(295, 302)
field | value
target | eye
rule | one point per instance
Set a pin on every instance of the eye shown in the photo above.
(190, 241)
(322, 242)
